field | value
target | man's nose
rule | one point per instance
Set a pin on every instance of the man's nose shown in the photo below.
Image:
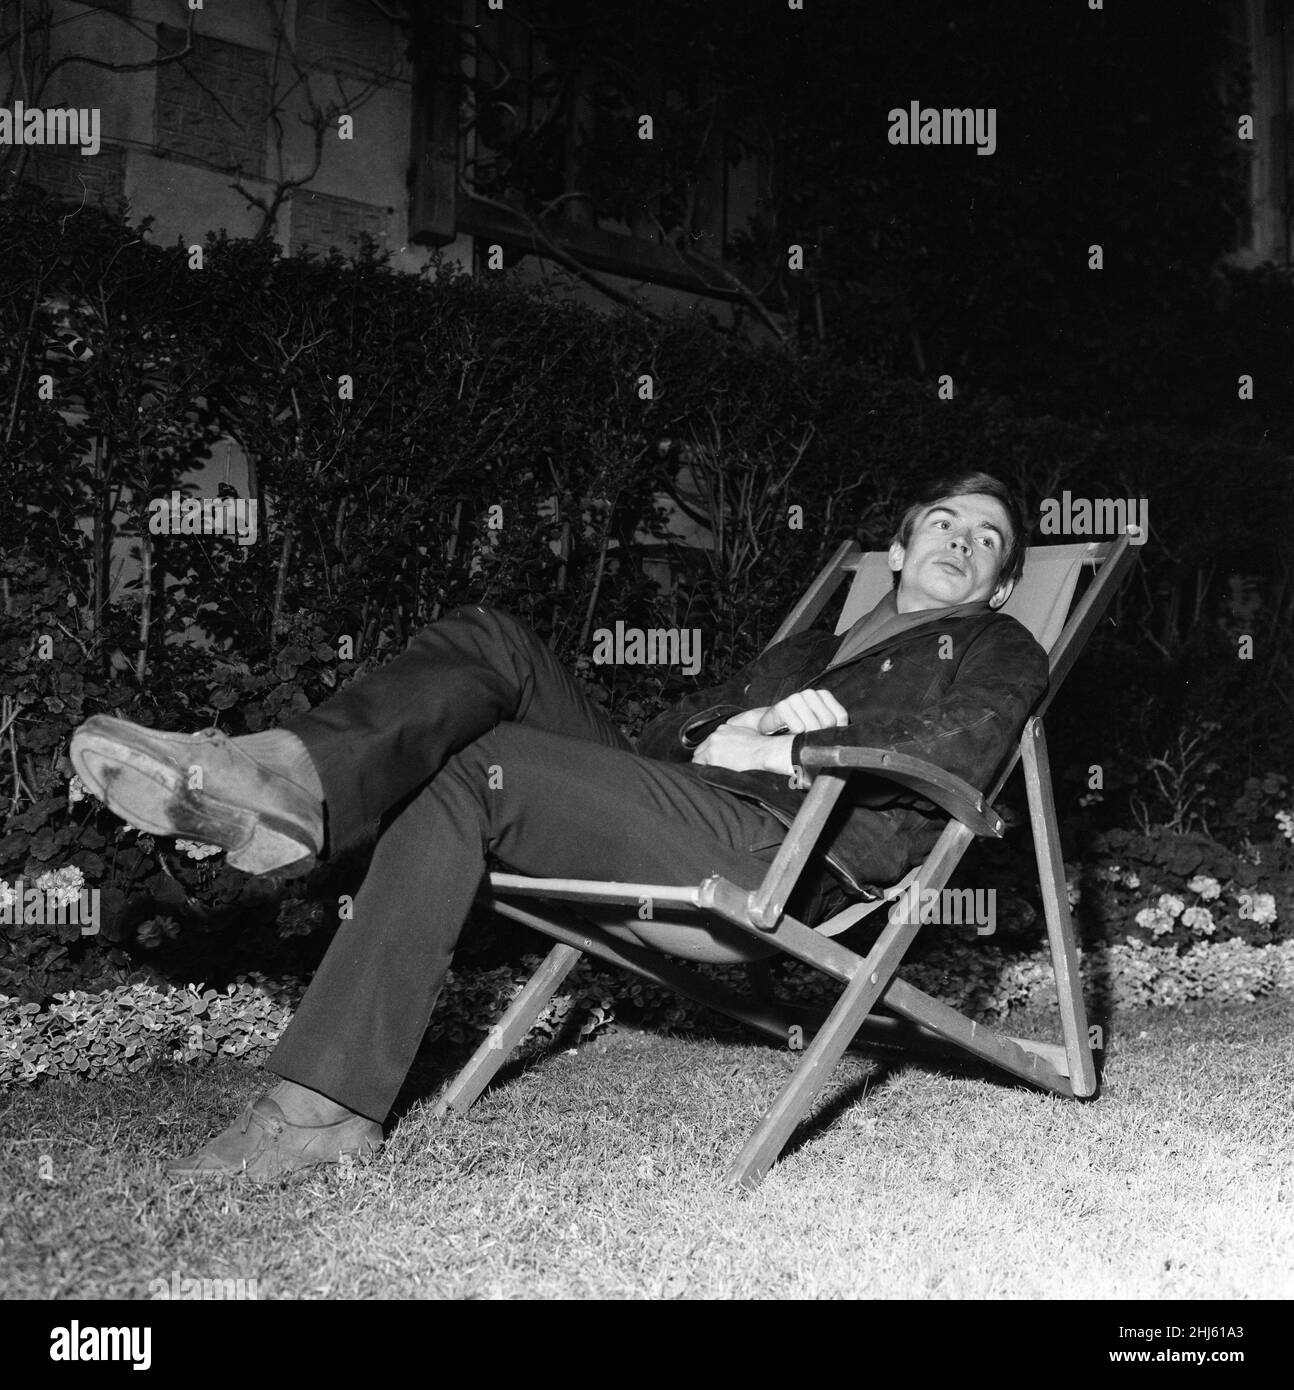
(959, 543)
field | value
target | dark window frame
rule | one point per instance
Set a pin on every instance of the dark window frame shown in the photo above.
(442, 208)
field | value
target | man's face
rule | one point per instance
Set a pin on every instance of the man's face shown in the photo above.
(955, 555)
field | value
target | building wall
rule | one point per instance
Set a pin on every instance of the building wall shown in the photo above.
(170, 131)
(171, 134)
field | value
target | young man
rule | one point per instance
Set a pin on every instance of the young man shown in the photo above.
(476, 746)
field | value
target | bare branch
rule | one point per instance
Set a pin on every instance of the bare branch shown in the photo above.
(692, 260)
(320, 118)
(544, 244)
(165, 60)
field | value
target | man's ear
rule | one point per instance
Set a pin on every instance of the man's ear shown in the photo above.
(1001, 593)
(896, 556)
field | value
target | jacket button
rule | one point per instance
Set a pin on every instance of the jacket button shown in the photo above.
(886, 664)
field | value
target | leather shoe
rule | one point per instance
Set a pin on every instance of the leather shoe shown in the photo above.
(200, 786)
(264, 1144)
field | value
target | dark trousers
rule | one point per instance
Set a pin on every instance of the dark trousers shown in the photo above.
(476, 744)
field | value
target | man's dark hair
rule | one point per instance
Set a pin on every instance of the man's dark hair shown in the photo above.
(954, 485)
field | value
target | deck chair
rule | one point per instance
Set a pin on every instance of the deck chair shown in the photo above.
(695, 923)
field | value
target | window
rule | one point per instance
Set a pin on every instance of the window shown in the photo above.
(320, 221)
(340, 35)
(74, 178)
(213, 107)
(526, 133)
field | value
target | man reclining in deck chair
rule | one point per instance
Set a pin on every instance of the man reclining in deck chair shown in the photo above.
(475, 747)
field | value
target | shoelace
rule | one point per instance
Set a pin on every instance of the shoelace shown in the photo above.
(273, 1126)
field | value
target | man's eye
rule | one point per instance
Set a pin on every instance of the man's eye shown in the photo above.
(990, 541)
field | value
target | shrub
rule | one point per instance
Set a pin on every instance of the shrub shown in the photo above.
(132, 1027)
(476, 401)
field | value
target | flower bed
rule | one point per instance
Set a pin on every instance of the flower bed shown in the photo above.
(126, 1029)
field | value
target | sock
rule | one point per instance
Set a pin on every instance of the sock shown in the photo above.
(284, 752)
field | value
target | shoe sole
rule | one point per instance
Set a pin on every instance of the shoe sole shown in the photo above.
(155, 796)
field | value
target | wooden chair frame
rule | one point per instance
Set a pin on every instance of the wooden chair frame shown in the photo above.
(869, 981)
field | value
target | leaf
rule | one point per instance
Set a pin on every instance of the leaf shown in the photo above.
(43, 844)
(90, 863)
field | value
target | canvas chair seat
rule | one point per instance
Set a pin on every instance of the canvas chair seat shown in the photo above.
(674, 928)
(706, 943)
(719, 923)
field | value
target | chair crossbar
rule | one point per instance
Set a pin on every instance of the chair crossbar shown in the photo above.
(596, 890)
(1043, 1064)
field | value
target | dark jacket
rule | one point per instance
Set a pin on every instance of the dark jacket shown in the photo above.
(956, 693)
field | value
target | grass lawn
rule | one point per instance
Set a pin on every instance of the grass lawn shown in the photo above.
(598, 1173)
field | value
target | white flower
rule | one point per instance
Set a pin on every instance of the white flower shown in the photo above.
(7, 895)
(65, 884)
(1171, 904)
(1074, 893)
(1153, 920)
(1199, 919)
(1131, 880)
(1208, 888)
(1257, 907)
(195, 850)
(1285, 819)
(75, 791)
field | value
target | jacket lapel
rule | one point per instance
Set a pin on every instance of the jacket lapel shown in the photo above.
(882, 629)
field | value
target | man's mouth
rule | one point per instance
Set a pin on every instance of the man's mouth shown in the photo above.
(952, 565)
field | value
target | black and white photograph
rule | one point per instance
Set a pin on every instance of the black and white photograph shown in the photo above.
(646, 656)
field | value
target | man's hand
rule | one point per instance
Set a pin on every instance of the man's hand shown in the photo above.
(744, 750)
(759, 740)
(800, 713)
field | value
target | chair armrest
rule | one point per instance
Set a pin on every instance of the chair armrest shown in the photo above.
(945, 789)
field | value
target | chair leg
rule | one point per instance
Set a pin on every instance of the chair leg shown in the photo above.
(868, 981)
(1055, 901)
(832, 1040)
(521, 1014)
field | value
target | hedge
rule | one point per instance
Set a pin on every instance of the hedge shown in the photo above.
(495, 444)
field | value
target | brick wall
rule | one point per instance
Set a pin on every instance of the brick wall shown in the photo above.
(334, 34)
(214, 105)
(320, 221)
(77, 178)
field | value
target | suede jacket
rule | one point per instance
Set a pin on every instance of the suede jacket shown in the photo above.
(956, 693)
